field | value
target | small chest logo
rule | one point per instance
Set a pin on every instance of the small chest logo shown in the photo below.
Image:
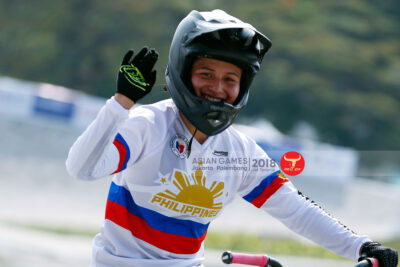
(179, 146)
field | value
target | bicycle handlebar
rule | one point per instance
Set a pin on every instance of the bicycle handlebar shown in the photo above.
(249, 259)
(261, 260)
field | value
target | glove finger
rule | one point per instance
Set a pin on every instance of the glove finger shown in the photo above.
(149, 61)
(127, 57)
(139, 57)
(151, 78)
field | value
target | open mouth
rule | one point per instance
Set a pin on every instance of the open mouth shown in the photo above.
(212, 98)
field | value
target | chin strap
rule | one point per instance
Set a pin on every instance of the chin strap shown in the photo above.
(189, 149)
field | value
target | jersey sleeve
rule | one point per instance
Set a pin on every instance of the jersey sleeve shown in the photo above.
(109, 145)
(269, 190)
(309, 220)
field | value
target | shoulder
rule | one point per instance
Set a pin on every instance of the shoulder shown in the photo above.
(243, 142)
(240, 137)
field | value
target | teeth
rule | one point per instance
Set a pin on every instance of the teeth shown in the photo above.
(212, 99)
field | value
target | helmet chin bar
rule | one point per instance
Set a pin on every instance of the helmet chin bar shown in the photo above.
(216, 118)
(215, 123)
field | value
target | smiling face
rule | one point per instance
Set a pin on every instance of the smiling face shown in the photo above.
(216, 80)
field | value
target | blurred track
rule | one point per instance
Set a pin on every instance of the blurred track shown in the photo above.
(22, 246)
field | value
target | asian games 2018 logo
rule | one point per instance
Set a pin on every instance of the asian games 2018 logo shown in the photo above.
(179, 146)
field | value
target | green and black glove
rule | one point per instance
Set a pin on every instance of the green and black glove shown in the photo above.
(387, 257)
(136, 76)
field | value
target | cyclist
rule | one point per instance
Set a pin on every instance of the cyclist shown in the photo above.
(178, 162)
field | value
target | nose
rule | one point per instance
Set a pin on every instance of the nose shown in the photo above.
(217, 86)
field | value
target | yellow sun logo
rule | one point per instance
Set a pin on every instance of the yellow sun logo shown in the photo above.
(192, 197)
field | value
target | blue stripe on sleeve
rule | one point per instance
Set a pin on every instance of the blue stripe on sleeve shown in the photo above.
(260, 188)
(120, 139)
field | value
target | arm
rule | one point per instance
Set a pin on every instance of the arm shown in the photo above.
(98, 152)
(273, 193)
(304, 217)
(93, 154)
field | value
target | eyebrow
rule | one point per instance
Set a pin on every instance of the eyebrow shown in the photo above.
(210, 69)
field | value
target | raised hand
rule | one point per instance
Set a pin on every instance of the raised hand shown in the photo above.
(136, 76)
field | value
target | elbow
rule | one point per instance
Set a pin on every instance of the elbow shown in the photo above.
(74, 172)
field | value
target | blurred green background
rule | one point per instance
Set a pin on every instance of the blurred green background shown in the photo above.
(333, 64)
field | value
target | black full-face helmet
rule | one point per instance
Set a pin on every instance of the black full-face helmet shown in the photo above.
(219, 36)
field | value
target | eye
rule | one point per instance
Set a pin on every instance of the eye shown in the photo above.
(206, 74)
(231, 79)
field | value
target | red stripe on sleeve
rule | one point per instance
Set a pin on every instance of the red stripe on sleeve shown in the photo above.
(269, 191)
(140, 229)
(122, 155)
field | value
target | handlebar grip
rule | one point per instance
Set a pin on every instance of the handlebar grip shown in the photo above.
(255, 260)
(249, 259)
(375, 262)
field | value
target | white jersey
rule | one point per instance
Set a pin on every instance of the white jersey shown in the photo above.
(161, 201)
